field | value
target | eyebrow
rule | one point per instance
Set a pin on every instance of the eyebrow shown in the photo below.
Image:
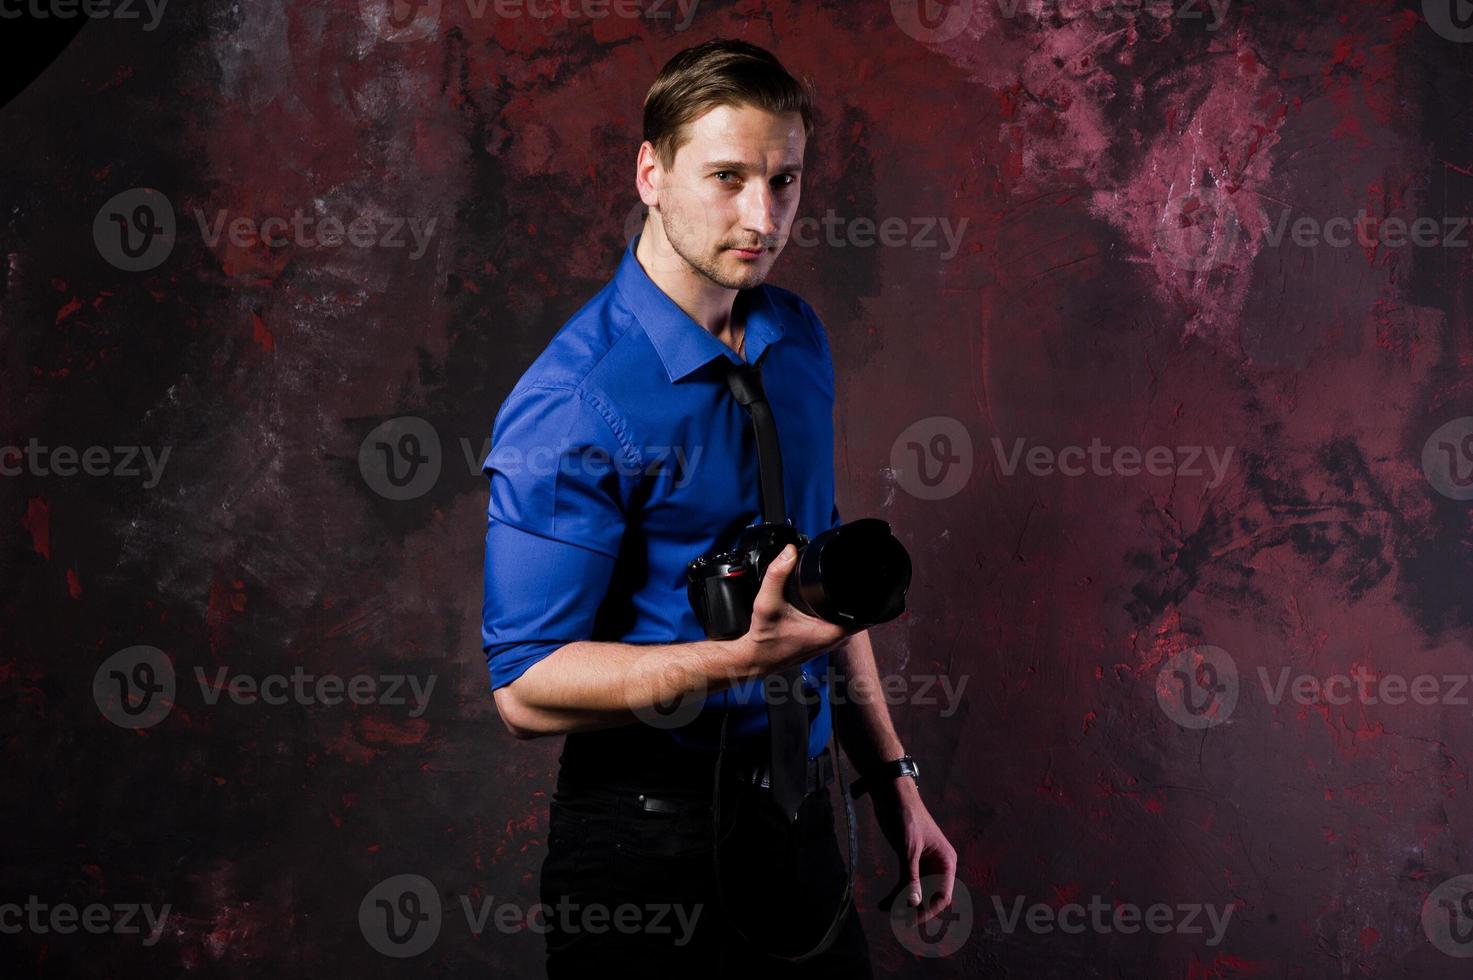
(746, 168)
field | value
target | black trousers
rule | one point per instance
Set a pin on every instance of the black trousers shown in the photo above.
(627, 890)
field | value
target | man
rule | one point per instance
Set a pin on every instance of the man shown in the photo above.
(620, 456)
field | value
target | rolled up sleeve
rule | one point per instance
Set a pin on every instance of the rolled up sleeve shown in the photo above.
(560, 472)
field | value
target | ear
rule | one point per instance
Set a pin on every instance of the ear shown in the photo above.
(648, 174)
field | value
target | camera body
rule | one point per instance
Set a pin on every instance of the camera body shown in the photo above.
(855, 575)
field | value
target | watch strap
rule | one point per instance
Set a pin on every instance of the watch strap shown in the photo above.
(894, 769)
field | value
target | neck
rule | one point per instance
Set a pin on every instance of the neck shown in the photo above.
(709, 304)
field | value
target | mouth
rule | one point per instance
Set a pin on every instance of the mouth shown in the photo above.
(749, 253)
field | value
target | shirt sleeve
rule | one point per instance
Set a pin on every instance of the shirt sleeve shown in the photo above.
(560, 474)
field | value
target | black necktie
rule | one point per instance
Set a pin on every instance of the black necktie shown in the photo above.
(787, 720)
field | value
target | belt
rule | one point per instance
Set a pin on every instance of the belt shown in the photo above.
(819, 775)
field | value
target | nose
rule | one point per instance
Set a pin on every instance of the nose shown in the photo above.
(759, 210)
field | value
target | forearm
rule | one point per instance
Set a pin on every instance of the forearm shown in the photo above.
(862, 721)
(589, 685)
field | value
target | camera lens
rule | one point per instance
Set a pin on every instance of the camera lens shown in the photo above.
(855, 574)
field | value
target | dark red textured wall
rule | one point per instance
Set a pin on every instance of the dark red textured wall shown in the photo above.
(1113, 227)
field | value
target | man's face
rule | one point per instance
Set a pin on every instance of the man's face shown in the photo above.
(733, 186)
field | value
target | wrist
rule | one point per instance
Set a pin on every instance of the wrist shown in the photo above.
(895, 778)
(740, 659)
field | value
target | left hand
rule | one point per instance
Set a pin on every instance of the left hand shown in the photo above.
(919, 843)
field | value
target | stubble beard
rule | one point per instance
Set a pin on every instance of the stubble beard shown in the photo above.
(677, 233)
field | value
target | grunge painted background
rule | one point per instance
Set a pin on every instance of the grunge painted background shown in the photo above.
(1152, 333)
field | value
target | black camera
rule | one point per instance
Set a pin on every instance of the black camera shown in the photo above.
(854, 575)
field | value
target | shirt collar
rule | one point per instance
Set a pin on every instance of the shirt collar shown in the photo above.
(683, 344)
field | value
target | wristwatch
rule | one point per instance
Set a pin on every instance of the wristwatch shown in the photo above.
(903, 766)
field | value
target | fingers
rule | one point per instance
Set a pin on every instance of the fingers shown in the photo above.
(771, 593)
(913, 893)
(947, 879)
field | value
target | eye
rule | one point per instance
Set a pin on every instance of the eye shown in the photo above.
(788, 180)
(718, 174)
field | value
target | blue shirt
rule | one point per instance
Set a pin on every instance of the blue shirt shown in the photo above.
(620, 455)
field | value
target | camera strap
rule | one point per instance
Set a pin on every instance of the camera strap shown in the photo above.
(787, 714)
(788, 719)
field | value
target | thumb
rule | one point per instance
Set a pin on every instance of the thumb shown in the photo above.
(776, 577)
(907, 889)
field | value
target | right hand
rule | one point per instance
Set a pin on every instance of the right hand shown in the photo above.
(781, 636)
